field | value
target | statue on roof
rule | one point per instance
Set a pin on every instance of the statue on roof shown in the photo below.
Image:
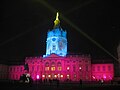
(57, 21)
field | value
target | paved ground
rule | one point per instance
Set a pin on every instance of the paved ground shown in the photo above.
(62, 86)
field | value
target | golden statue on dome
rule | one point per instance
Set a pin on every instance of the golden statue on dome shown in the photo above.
(57, 21)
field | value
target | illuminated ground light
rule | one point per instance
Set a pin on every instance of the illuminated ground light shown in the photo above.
(68, 76)
(104, 76)
(38, 77)
(55, 76)
(49, 76)
(68, 68)
(43, 76)
(93, 77)
(80, 68)
(61, 76)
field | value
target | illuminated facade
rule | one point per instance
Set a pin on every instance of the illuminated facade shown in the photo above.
(56, 64)
(102, 71)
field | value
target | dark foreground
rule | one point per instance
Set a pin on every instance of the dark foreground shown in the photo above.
(61, 86)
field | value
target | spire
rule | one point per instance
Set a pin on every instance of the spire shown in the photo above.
(57, 21)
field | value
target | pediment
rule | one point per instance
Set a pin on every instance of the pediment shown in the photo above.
(53, 56)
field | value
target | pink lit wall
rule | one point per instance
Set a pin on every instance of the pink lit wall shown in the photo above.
(72, 68)
(15, 71)
(102, 71)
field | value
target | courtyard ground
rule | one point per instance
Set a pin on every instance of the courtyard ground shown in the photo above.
(61, 86)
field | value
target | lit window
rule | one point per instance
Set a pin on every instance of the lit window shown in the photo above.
(55, 76)
(68, 68)
(68, 76)
(43, 76)
(52, 68)
(46, 68)
(59, 68)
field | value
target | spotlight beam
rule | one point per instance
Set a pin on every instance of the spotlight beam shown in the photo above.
(21, 34)
(53, 10)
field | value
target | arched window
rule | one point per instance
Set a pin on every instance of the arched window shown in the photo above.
(52, 66)
(46, 66)
(59, 66)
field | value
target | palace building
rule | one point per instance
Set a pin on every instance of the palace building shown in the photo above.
(57, 64)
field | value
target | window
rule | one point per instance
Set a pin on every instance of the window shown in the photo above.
(21, 69)
(68, 76)
(46, 68)
(59, 68)
(86, 67)
(17, 69)
(54, 47)
(52, 68)
(67, 61)
(32, 68)
(109, 68)
(98, 68)
(103, 68)
(68, 68)
(74, 76)
(93, 68)
(14, 69)
(46, 64)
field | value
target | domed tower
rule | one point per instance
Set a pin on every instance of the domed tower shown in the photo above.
(56, 40)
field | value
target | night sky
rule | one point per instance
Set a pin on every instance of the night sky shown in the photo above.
(24, 26)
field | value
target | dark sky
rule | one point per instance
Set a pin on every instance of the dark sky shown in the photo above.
(24, 24)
